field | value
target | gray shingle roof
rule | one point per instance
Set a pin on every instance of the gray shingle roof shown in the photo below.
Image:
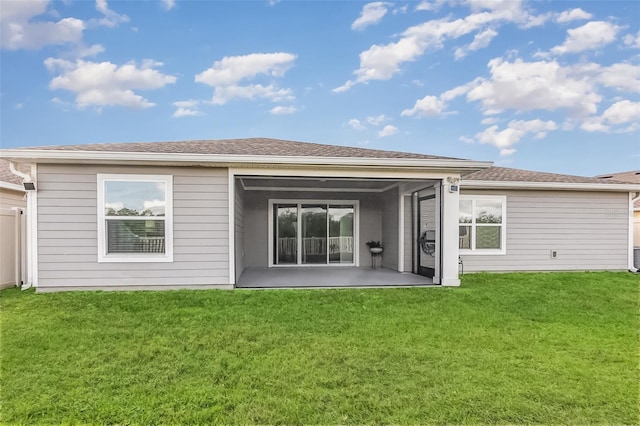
(505, 174)
(250, 146)
(632, 176)
(6, 175)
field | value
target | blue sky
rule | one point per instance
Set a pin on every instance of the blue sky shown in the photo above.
(549, 86)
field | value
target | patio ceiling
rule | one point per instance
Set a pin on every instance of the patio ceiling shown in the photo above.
(265, 183)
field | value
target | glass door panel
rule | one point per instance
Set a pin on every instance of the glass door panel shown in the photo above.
(314, 233)
(427, 243)
(341, 234)
(286, 250)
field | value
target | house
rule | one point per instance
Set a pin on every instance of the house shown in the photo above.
(12, 228)
(632, 176)
(245, 212)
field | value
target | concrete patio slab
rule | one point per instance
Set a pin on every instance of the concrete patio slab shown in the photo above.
(328, 277)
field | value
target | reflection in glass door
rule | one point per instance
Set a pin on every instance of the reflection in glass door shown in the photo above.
(341, 234)
(427, 240)
(314, 234)
(286, 241)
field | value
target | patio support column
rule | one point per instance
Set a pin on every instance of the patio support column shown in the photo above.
(450, 216)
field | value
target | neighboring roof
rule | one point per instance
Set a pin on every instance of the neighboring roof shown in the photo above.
(249, 146)
(504, 177)
(505, 174)
(6, 176)
(632, 176)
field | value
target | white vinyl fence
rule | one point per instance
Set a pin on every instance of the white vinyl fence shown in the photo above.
(12, 247)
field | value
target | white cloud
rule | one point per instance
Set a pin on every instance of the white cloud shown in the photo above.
(594, 124)
(429, 106)
(110, 19)
(632, 40)
(104, 83)
(387, 130)
(371, 14)
(156, 206)
(622, 112)
(590, 36)
(118, 205)
(224, 94)
(168, 4)
(382, 62)
(225, 75)
(515, 131)
(377, 120)
(282, 110)
(572, 15)
(18, 31)
(187, 108)
(232, 69)
(622, 76)
(480, 41)
(488, 121)
(526, 86)
(355, 124)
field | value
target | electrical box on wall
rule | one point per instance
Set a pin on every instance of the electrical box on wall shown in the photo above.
(554, 254)
(453, 188)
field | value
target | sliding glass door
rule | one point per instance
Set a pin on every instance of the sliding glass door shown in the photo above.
(286, 241)
(313, 233)
(341, 234)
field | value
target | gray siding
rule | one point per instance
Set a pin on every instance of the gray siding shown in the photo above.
(390, 224)
(239, 229)
(67, 230)
(257, 221)
(589, 231)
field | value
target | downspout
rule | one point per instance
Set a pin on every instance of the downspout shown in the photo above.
(26, 178)
(632, 200)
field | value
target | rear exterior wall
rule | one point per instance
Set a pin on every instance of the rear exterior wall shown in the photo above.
(68, 240)
(587, 230)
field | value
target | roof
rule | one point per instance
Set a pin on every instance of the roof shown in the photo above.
(249, 146)
(6, 175)
(508, 178)
(505, 174)
(632, 176)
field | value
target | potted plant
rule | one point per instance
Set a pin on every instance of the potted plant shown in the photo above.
(374, 246)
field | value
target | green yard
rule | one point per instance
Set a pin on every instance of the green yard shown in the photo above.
(508, 348)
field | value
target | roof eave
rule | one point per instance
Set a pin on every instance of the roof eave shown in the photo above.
(557, 186)
(75, 157)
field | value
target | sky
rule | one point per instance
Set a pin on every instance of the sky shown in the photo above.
(544, 85)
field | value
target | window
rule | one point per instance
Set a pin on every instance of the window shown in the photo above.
(482, 224)
(135, 218)
(313, 232)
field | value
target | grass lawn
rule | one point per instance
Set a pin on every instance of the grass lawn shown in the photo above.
(508, 348)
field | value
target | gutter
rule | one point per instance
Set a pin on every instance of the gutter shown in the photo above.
(552, 186)
(60, 156)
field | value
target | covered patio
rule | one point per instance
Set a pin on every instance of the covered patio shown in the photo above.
(328, 277)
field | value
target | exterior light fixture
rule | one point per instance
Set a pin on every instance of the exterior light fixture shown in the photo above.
(29, 186)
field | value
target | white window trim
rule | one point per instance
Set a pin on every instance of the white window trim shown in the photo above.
(299, 202)
(503, 228)
(103, 257)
